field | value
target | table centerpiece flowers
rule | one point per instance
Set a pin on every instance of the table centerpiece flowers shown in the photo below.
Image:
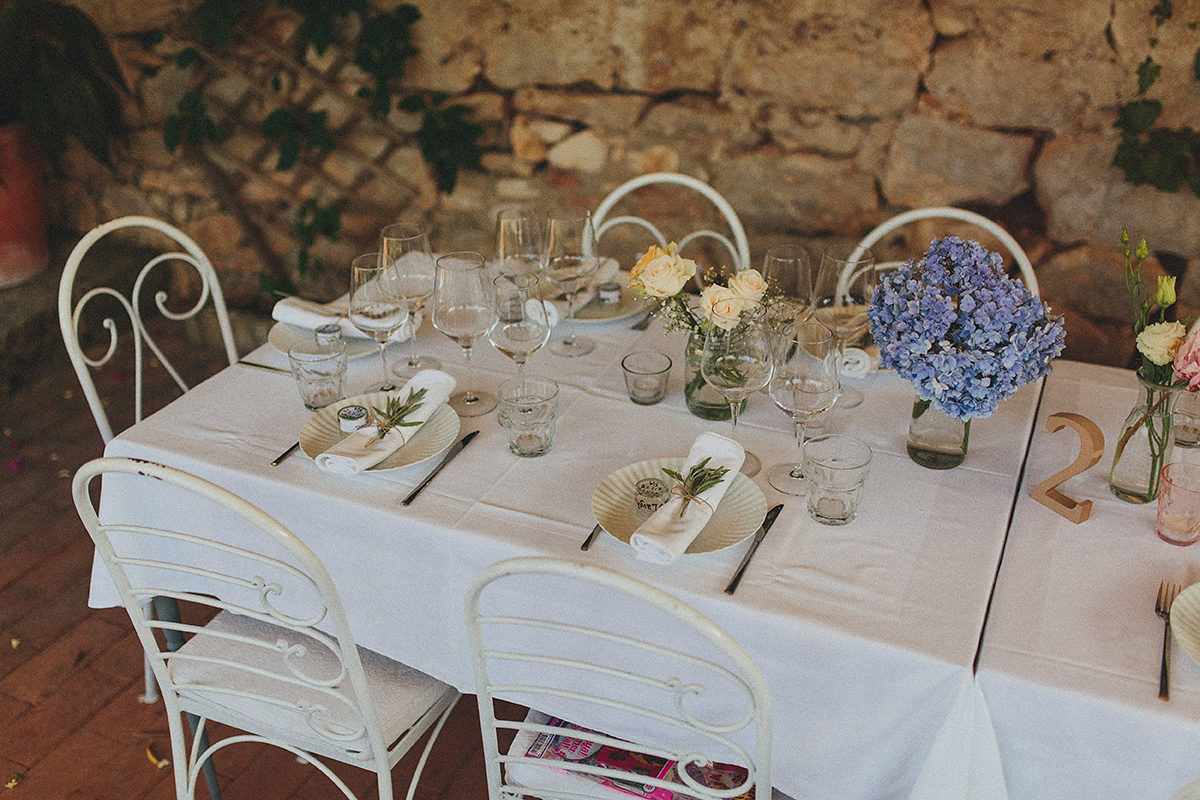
(966, 335)
(661, 276)
(1170, 364)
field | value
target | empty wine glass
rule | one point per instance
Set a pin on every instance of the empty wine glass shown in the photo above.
(841, 297)
(788, 271)
(406, 248)
(805, 385)
(518, 243)
(521, 327)
(569, 261)
(464, 309)
(738, 358)
(376, 305)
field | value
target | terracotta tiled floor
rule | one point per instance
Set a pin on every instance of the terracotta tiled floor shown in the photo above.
(71, 725)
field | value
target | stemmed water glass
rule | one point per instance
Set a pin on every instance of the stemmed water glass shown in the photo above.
(521, 327)
(788, 271)
(805, 385)
(569, 260)
(518, 243)
(464, 309)
(376, 305)
(738, 358)
(841, 297)
(406, 248)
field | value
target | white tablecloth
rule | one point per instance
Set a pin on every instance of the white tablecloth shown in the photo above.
(866, 633)
(1070, 657)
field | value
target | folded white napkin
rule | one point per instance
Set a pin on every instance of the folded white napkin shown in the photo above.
(666, 535)
(362, 450)
(310, 316)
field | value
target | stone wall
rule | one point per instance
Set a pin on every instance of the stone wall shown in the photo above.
(815, 119)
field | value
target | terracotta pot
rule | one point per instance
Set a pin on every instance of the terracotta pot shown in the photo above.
(23, 248)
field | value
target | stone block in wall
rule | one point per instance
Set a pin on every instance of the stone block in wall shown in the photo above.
(797, 192)
(526, 146)
(1087, 199)
(933, 162)
(582, 152)
(1091, 281)
(696, 118)
(610, 112)
(661, 47)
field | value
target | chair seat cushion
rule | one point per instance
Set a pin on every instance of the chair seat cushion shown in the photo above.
(262, 691)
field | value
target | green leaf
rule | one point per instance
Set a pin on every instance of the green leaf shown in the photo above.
(1139, 115)
(1147, 73)
(289, 151)
(413, 104)
(186, 57)
(1162, 11)
(172, 132)
(1196, 66)
(278, 122)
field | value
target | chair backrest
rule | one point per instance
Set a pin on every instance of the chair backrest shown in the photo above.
(285, 649)
(648, 677)
(738, 246)
(71, 312)
(948, 212)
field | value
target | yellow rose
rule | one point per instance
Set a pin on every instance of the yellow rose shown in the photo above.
(721, 305)
(748, 284)
(1158, 342)
(661, 273)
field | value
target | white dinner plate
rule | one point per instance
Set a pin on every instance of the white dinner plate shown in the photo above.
(736, 518)
(322, 432)
(627, 306)
(1185, 620)
(283, 336)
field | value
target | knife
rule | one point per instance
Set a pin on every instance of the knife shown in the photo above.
(767, 522)
(591, 538)
(454, 450)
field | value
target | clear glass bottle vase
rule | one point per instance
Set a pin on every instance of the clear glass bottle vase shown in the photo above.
(935, 439)
(1145, 444)
(702, 399)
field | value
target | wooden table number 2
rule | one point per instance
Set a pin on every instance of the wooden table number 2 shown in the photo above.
(1091, 450)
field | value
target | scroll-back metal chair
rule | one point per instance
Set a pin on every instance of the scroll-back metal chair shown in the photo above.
(947, 212)
(277, 660)
(134, 304)
(738, 246)
(650, 679)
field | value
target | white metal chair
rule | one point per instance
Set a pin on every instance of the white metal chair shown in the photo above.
(70, 315)
(608, 652)
(947, 212)
(277, 660)
(738, 246)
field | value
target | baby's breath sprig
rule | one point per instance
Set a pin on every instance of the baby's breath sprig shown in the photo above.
(700, 478)
(395, 412)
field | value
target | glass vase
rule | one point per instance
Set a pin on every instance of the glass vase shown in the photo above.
(702, 399)
(1145, 444)
(935, 439)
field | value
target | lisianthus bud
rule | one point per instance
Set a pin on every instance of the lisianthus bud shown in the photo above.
(1164, 295)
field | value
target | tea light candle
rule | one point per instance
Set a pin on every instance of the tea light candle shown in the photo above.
(648, 495)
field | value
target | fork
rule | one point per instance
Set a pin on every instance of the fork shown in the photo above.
(1162, 607)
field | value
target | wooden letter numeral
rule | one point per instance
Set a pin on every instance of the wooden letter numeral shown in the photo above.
(1091, 450)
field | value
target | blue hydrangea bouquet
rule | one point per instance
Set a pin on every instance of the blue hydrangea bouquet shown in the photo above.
(964, 333)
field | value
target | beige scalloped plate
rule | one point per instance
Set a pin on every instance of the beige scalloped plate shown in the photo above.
(1185, 620)
(322, 432)
(737, 517)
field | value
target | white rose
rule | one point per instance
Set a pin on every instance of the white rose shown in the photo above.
(748, 284)
(664, 276)
(721, 305)
(1158, 342)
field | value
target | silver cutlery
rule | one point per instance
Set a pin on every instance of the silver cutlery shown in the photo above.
(1162, 607)
(643, 323)
(454, 450)
(767, 522)
(285, 454)
(246, 363)
(591, 538)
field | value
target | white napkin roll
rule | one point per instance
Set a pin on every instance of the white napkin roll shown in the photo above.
(362, 450)
(666, 535)
(543, 312)
(607, 271)
(310, 316)
(856, 363)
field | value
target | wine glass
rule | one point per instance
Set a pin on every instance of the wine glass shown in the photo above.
(464, 309)
(738, 359)
(788, 271)
(406, 248)
(376, 306)
(518, 243)
(841, 297)
(521, 327)
(569, 261)
(805, 385)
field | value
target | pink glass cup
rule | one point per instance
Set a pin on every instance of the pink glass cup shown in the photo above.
(1179, 504)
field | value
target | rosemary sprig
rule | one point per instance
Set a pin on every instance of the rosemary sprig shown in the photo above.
(395, 412)
(699, 478)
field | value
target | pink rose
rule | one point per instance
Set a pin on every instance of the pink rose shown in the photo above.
(1187, 361)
